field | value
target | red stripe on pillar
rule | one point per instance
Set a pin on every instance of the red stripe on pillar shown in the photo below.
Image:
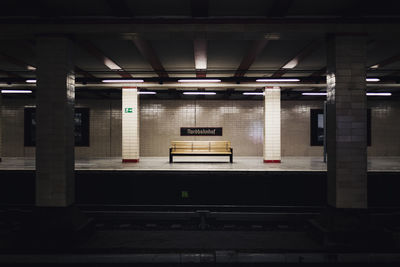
(130, 160)
(272, 161)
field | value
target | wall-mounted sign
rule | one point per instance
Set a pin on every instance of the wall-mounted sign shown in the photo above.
(128, 110)
(201, 131)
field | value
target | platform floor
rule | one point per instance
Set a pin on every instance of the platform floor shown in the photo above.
(379, 164)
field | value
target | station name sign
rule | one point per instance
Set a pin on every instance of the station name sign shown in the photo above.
(201, 131)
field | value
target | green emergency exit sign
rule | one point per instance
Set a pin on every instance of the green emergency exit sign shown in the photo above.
(128, 110)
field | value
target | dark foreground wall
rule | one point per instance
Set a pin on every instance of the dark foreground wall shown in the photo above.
(203, 188)
(199, 188)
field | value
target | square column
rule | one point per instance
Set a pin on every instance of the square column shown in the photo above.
(272, 125)
(347, 122)
(130, 125)
(55, 101)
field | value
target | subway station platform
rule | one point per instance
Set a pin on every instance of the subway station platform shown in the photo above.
(375, 164)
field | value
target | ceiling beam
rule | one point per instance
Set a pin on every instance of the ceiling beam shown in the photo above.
(393, 74)
(352, 9)
(199, 8)
(200, 57)
(11, 74)
(84, 73)
(119, 8)
(301, 55)
(322, 71)
(385, 62)
(31, 67)
(318, 73)
(279, 8)
(23, 27)
(150, 55)
(42, 9)
(16, 62)
(254, 51)
(97, 53)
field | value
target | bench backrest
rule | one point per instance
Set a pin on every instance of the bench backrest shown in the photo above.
(217, 146)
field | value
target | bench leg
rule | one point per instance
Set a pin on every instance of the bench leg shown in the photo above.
(231, 158)
(170, 158)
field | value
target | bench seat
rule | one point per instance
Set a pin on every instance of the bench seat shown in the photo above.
(201, 152)
(200, 148)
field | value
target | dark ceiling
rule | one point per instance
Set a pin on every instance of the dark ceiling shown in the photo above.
(168, 56)
(198, 8)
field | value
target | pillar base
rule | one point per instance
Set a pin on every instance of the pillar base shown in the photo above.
(53, 228)
(349, 228)
(130, 160)
(272, 161)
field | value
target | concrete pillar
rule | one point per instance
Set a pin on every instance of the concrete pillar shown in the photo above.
(347, 122)
(272, 125)
(130, 125)
(55, 99)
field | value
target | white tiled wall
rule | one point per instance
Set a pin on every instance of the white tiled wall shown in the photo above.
(295, 128)
(13, 128)
(130, 124)
(272, 124)
(160, 120)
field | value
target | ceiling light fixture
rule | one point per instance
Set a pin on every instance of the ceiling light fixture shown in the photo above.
(253, 93)
(379, 94)
(372, 79)
(111, 65)
(368, 94)
(278, 80)
(291, 64)
(199, 80)
(30, 81)
(123, 81)
(199, 93)
(146, 93)
(16, 91)
(200, 54)
(315, 93)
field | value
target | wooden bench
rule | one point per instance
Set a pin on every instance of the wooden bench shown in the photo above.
(200, 148)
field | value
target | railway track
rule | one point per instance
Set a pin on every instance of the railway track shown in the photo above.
(194, 217)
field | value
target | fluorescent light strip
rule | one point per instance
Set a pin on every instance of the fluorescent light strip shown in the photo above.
(278, 80)
(372, 79)
(123, 81)
(16, 91)
(379, 94)
(313, 93)
(199, 80)
(30, 81)
(146, 93)
(253, 93)
(199, 93)
(368, 94)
